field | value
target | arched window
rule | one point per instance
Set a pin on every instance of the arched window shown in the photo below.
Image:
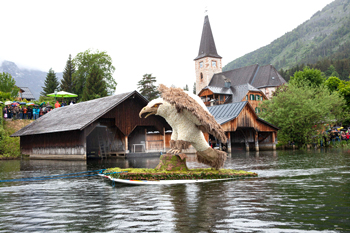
(251, 97)
(201, 76)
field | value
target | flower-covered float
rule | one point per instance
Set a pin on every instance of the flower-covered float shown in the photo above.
(189, 118)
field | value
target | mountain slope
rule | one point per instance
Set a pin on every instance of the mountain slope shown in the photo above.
(325, 34)
(33, 79)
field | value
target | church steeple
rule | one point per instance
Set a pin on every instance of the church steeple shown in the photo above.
(207, 47)
(208, 62)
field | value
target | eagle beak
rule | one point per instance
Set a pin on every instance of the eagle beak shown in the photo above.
(148, 110)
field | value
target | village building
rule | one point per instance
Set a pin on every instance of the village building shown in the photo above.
(25, 93)
(233, 97)
(108, 126)
(209, 75)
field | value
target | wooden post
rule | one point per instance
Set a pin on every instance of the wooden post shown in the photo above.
(256, 141)
(146, 141)
(228, 141)
(126, 144)
(274, 140)
(163, 139)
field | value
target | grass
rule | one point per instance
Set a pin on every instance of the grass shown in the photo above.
(199, 173)
(10, 146)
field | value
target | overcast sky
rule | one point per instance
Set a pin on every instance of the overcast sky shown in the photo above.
(146, 36)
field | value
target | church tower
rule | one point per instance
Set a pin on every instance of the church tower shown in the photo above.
(208, 61)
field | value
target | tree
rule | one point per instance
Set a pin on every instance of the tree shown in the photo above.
(51, 83)
(194, 88)
(308, 76)
(147, 87)
(8, 85)
(95, 84)
(300, 111)
(186, 88)
(67, 80)
(332, 83)
(83, 63)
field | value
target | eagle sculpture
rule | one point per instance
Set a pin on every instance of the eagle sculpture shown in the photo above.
(189, 118)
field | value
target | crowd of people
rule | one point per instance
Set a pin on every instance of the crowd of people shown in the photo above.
(34, 112)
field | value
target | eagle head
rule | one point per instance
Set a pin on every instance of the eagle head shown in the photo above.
(151, 108)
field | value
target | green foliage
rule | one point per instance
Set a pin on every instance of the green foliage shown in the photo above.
(51, 83)
(95, 84)
(194, 88)
(186, 88)
(83, 63)
(5, 96)
(300, 111)
(8, 85)
(191, 174)
(332, 83)
(307, 76)
(9, 147)
(67, 80)
(147, 87)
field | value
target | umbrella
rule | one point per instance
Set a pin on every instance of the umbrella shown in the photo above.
(63, 94)
(35, 105)
(42, 104)
(49, 106)
(8, 102)
(15, 104)
(22, 103)
(30, 103)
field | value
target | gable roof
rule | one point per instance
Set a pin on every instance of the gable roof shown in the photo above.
(267, 76)
(27, 94)
(76, 116)
(255, 75)
(240, 91)
(226, 112)
(207, 47)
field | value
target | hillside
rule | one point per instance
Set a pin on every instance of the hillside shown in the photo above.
(33, 79)
(325, 35)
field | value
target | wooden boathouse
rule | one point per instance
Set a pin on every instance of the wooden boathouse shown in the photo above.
(108, 126)
(243, 127)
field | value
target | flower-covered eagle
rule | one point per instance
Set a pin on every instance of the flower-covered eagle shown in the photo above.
(188, 117)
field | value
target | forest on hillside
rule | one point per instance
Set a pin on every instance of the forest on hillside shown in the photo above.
(325, 36)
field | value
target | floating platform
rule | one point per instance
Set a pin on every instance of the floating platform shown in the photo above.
(158, 182)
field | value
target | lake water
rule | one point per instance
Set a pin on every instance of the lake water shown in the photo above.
(296, 191)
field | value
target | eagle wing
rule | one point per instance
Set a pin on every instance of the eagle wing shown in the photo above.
(198, 115)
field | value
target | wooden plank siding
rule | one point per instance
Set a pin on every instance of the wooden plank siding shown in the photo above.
(247, 119)
(126, 116)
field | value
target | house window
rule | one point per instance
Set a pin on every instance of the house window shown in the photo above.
(261, 98)
(251, 97)
(201, 64)
(221, 98)
(257, 97)
(257, 110)
(246, 97)
(213, 63)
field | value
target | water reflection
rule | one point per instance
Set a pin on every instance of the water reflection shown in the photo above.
(296, 191)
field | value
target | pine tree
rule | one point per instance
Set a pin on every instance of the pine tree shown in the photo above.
(67, 81)
(95, 86)
(186, 88)
(147, 87)
(51, 83)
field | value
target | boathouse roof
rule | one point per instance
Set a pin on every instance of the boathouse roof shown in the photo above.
(76, 116)
(227, 112)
